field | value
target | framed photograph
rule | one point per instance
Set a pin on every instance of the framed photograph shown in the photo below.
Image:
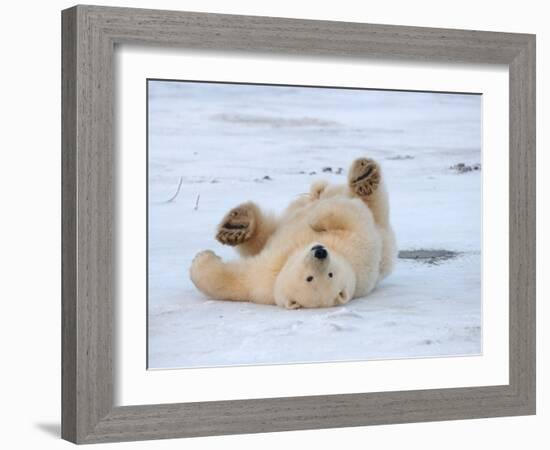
(279, 224)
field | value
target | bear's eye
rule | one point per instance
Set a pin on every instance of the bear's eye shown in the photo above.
(330, 274)
(309, 279)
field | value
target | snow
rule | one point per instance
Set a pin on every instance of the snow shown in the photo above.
(221, 141)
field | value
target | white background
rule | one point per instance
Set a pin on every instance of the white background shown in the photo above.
(30, 188)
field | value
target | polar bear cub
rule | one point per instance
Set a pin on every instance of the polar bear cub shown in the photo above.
(328, 247)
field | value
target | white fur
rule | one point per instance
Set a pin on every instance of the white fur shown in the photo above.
(354, 230)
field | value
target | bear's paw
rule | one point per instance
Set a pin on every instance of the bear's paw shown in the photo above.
(238, 225)
(364, 176)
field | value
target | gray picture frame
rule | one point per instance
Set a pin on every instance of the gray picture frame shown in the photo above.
(89, 36)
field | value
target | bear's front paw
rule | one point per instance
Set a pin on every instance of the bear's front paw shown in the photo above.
(201, 261)
(364, 176)
(238, 225)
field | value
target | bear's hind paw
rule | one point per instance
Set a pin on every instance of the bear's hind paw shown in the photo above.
(364, 176)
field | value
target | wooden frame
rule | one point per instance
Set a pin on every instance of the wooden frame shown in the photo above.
(89, 37)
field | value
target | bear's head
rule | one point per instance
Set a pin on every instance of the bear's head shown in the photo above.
(314, 277)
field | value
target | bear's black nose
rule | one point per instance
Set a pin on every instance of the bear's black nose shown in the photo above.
(319, 251)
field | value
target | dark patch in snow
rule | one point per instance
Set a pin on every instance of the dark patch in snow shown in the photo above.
(312, 173)
(464, 168)
(430, 341)
(336, 170)
(428, 256)
(264, 178)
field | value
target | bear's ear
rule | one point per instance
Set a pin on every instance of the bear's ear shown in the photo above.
(292, 304)
(317, 189)
(343, 297)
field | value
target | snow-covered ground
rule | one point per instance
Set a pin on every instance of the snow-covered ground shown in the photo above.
(232, 143)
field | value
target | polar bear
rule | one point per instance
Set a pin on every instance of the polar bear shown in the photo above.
(329, 246)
